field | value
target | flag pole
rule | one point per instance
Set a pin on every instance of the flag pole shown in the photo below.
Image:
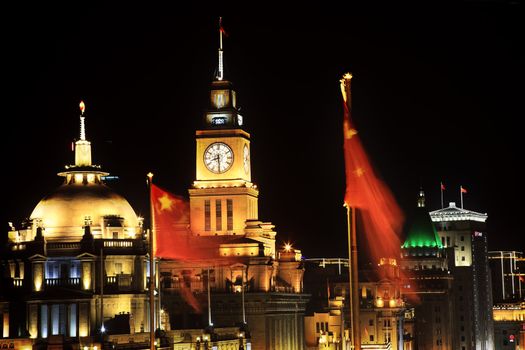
(220, 76)
(461, 195)
(441, 187)
(355, 341)
(151, 270)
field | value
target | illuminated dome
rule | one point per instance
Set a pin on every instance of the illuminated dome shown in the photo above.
(85, 199)
(63, 213)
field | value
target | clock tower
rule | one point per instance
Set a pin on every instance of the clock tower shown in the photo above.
(222, 198)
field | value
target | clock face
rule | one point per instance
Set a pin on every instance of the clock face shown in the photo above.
(246, 159)
(218, 157)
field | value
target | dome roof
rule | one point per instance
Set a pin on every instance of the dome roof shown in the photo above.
(422, 233)
(63, 212)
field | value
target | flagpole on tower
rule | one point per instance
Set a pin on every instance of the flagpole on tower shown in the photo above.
(461, 191)
(355, 339)
(151, 268)
(220, 74)
(442, 188)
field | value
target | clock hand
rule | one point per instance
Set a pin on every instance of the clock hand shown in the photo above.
(219, 162)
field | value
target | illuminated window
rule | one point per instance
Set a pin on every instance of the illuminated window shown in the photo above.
(229, 209)
(43, 321)
(218, 215)
(73, 320)
(207, 223)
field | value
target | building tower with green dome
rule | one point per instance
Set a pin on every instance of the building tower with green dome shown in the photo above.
(428, 285)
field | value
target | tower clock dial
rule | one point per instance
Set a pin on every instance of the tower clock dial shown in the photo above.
(246, 159)
(218, 157)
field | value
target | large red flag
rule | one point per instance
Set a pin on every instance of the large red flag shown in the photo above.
(173, 239)
(379, 217)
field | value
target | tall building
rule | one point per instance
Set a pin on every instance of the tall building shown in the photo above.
(463, 234)
(428, 284)
(251, 281)
(78, 268)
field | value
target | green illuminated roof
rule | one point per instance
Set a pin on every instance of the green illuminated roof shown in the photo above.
(422, 233)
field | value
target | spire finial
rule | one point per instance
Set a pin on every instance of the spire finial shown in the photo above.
(421, 198)
(82, 122)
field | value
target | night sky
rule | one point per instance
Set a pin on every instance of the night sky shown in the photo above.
(435, 97)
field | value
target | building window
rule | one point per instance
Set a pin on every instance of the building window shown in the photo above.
(462, 258)
(462, 248)
(43, 321)
(229, 209)
(317, 327)
(443, 240)
(218, 215)
(326, 326)
(371, 337)
(207, 223)
(370, 322)
(461, 238)
(115, 235)
(448, 241)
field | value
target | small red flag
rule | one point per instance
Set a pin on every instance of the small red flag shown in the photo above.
(442, 187)
(463, 190)
(522, 279)
(221, 28)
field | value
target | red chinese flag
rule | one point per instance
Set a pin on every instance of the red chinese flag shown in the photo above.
(378, 215)
(221, 28)
(463, 190)
(173, 239)
(442, 187)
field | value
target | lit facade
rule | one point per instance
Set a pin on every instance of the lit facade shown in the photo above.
(509, 326)
(78, 268)
(251, 281)
(464, 236)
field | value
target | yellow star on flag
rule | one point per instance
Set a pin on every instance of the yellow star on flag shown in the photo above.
(350, 133)
(165, 203)
(359, 172)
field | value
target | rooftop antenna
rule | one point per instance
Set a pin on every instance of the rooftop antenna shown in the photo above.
(220, 74)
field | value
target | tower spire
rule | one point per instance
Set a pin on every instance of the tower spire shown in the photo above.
(220, 73)
(82, 121)
(82, 146)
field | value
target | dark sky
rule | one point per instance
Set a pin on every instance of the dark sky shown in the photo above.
(436, 96)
